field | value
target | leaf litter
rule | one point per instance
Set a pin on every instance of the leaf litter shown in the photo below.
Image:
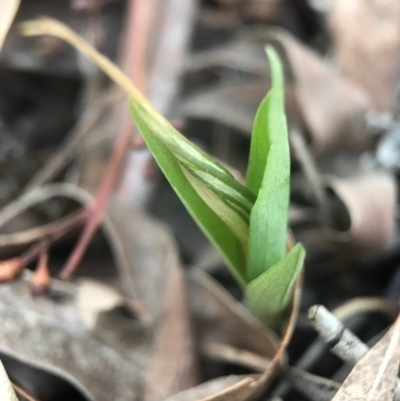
(165, 331)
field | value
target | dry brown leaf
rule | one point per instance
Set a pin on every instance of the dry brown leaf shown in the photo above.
(70, 353)
(242, 54)
(8, 9)
(207, 389)
(231, 104)
(330, 107)
(148, 265)
(237, 392)
(147, 259)
(173, 366)
(314, 387)
(370, 202)
(230, 329)
(219, 318)
(95, 297)
(366, 36)
(374, 376)
(6, 390)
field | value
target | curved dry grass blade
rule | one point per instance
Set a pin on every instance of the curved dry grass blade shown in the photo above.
(314, 387)
(374, 377)
(22, 393)
(6, 390)
(207, 389)
(8, 9)
(237, 392)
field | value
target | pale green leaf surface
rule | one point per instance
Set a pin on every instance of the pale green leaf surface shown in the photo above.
(269, 293)
(259, 147)
(232, 218)
(211, 224)
(270, 152)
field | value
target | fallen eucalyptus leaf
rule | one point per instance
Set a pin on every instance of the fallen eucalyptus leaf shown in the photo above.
(173, 365)
(374, 376)
(359, 54)
(148, 264)
(47, 336)
(228, 103)
(219, 318)
(6, 390)
(93, 298)
(314, 387)
(330, 107)
(359, 219)
(147, 256)
(241, 54)
(210, 388)
(367, 225)
(8, 9)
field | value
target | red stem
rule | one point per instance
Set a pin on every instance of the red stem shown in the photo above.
(135, 46)
(97, 209)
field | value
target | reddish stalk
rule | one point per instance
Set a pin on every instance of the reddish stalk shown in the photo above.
(97, 209)
(23, 393)
(11, 268)
(135, 46)
(41, 279)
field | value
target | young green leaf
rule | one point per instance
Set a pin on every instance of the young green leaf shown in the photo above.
(269, 176)
(215, 228)
(235, 218)
(223, 208)
(269, 293)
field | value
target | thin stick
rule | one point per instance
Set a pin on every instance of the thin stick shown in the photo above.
(66, 152)
(23, 393)
(36, 233)
(41, 279)
(343, 312)
(138, 31)
(97, 209)
(344, 344)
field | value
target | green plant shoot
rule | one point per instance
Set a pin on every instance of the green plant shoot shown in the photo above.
(268, 176)
(247, 224)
